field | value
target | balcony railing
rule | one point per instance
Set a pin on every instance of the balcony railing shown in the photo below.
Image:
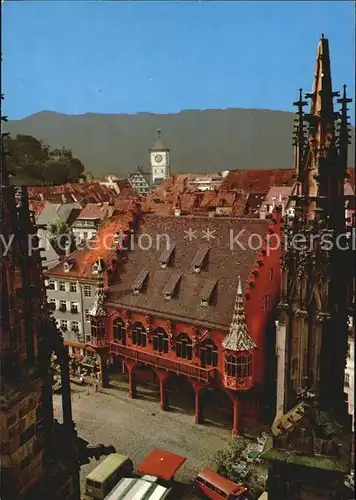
(237, 383)
(203, 374)
(98, 342)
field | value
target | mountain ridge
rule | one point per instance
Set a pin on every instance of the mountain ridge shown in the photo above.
(200, 140)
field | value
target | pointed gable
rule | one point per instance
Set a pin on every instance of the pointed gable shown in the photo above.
(238, 338)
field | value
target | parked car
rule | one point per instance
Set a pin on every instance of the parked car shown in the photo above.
(217, 487)
(105, 476)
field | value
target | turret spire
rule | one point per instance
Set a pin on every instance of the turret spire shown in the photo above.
(98, 309)
(344, 129)
(299, 136)
(238, 338)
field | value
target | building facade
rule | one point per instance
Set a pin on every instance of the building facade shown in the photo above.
(140, 181)
(89, 219)
(206, 182)
(183, 312)
(72, 288)
(310, 450)
(72, 300)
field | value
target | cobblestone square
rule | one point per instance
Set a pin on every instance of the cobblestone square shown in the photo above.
(137, 426)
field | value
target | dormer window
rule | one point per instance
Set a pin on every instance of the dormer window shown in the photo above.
(207, 293)
(67, 266)
(95, 268)
(140, 281)
(166, 257)
(172, 286)
(200, 259)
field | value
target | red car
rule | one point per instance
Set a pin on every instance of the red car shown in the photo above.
(216, 487)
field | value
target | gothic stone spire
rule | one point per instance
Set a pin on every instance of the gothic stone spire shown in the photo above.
(322, 185)
(238, 338)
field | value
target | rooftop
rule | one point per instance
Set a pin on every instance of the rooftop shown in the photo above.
(96, 211)
(104, 246)
(259, 180)
(220, 264)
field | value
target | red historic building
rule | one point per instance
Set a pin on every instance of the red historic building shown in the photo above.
(193, 297)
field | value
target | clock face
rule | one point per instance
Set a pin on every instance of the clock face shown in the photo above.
(158, 158)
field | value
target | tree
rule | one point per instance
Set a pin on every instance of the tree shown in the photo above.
(226, 457)
(61, 236)
(33, 162)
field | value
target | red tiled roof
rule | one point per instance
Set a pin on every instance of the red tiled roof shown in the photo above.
(36, 206)
(96, 211)
(276, 192)
(161, 464)
(85, 192)
(239, 205)
(103, 247)
(258, 181)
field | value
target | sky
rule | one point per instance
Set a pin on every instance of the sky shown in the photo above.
(77, 57)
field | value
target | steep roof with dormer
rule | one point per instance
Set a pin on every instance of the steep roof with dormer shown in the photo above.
(188, 235)
(104, 246)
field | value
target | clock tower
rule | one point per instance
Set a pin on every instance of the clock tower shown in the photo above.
(159, 161)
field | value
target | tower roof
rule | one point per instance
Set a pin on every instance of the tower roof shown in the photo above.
(238, 338)
(159, 145)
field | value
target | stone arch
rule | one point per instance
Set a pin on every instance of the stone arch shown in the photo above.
(146, 381)
(216, 406)
(180, 393)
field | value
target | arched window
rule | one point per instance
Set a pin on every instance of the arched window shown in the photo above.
(208, 354)
(119, 330)
(239, 366)
(184, 347)
(139, 336)
(160, 340)
(97, 328)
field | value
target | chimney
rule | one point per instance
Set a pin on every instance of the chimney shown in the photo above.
(280, 197)
(64, 199)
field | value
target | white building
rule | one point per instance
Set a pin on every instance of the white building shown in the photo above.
(111, 182)
(206, 182)
(90, 218)
(160, 166)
